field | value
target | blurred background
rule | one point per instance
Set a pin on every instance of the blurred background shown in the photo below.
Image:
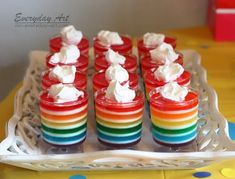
(27, 25)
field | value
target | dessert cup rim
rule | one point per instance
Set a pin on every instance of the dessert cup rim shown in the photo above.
(112, 102)
(78, 72)
(70, 103)
(148, 81)
(173, 103)
(99, 46)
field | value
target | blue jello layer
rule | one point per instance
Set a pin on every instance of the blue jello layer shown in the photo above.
(174, 139)
(64, 140)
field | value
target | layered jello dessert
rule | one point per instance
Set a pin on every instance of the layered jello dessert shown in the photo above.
(63, 74)
(119, 115)
(174, 114)
(69, 36)
(163, 54)
(165, 74)
(63, 111)
(114, 72)
(127, 61)
(150, 41)
(68, 55)
(106, 39)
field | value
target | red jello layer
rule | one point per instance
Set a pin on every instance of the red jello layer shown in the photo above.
(125, 48)
(81, 64)
(130, 63)
(80, 81)
(48, 102)
(99, 81)
(150, 80)
(112, 105)
(143, 50)
(56, 44)
(163, 104)
(148, 63)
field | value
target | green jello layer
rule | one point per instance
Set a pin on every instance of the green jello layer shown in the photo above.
(174, 131)
(63, 131)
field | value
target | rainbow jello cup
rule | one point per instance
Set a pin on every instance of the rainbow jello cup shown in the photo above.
(173, 123)
(99, 81)
(144, 50)
(81, 64)
(63, 124)
(130, 63)
(119, 124)
(80, 80)
(147, 63)
(125, 48)
(151, 82)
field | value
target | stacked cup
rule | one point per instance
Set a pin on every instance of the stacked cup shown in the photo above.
(63, 103)
(119, 105)
(173, 105)
(174, 111)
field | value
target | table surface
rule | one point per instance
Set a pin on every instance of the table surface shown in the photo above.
(218, 58)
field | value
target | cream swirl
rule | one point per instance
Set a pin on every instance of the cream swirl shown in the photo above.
(120, 93)
(164, 53)
(68, 54)
(70, 35)
(116, 72)
(174, 92)
(108, 38)
(153, 39)
(62, 93)
(114, 57)
(65, 74)
(168, 72)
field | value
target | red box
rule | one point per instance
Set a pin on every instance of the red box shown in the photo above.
(221, 19)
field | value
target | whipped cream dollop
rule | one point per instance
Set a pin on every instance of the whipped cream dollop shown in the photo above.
(174, 92)
(108, 38)
(120, 93)
(164, 53)
(114, 57)
(153, 39)
(70, 35)
(68, 54)
(168, 72)
(62, 93)
(116, 72)
(65, 74)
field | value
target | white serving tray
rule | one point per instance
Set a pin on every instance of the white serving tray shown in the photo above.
(24, 147)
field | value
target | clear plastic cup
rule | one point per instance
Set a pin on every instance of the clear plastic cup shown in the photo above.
(119, 124)
(63, 124)
(173, 123)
